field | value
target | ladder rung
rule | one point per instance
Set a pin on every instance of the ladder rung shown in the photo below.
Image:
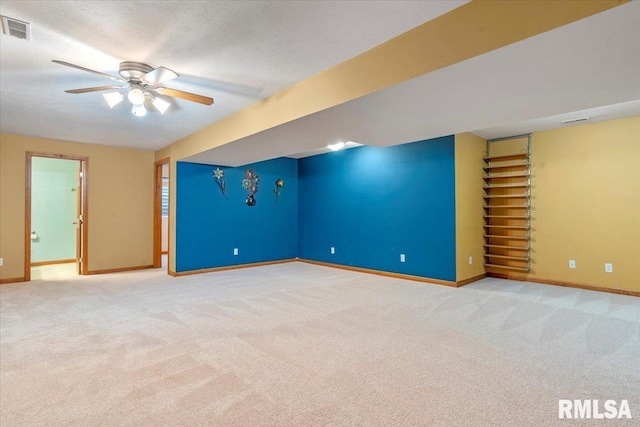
(502, 236)
(506, 196)
(510, 175)
(511, 248)
(523, 185)
(507, 267)
(506, 206)
(507, 157)
(519, 165)
(517, 258)
(507, 216)
(512, 227)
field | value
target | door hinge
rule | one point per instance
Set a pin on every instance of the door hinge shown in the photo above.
(81, 174)
(79, 259)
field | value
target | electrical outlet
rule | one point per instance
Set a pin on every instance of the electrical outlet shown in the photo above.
(402, 259)
(572, 263)
(608, 267)
(0, 262)
(470, 260)
(333, 250)
(235, 251)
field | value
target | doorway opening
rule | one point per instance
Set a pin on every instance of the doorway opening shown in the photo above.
(56, 211)
(161, 215)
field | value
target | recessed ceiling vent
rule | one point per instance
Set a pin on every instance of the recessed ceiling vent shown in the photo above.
(15, 28)
(581, 119)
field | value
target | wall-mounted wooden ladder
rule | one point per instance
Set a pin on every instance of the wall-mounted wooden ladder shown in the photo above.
(507, 204)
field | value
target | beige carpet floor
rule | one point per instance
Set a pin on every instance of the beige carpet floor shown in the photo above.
(302, 345)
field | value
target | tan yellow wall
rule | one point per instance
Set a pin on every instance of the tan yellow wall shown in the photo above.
(469, 151)
(120, 220)
(163, 153)
(586, 204)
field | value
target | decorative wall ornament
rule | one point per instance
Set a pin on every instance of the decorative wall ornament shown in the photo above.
(218, 174)
(250, 183)
(279, 185)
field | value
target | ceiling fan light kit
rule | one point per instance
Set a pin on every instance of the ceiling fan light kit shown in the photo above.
(143, 83)
(138, 110)
(136, 94)
(113, 98)
(160, 104)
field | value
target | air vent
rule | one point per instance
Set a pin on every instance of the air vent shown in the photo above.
(15, 28)
(581, 119)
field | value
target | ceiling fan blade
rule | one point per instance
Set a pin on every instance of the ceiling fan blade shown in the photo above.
(185, 95)
(159, 75)
(109, 76)
(94, 89)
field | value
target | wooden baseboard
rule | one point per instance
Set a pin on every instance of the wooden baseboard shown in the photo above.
(119, 270)
(471, 280)
(525, 278)
(60, 261)
(12, 280)
(172, 273)
(381, 273)
(229, 267)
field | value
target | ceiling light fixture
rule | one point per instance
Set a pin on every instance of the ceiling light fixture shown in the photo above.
(136, 95)
(336, 147)
(160, 104)
(113, 98)
(138, 110)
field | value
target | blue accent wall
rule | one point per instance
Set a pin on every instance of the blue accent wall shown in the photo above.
(208, 226)
(373, 204)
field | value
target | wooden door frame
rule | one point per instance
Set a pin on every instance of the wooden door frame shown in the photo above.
(157, 213)
(27, 209)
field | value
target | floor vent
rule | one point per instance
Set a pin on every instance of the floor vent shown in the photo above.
(15, 28)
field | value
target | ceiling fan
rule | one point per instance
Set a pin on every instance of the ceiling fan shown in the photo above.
(143, 86)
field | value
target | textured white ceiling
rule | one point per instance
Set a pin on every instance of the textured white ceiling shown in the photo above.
(590, 64)
(237, 52)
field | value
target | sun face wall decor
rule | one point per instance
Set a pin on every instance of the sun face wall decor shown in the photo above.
(250, 183)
